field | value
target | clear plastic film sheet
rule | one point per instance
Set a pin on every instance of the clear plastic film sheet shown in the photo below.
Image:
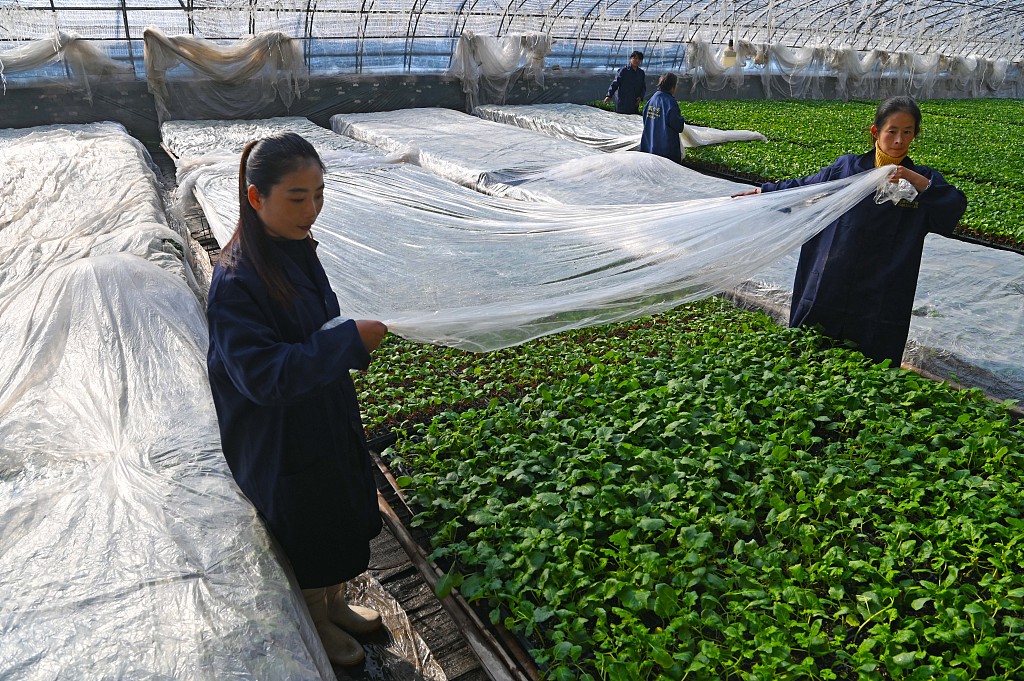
(974, 331)
(443, 264)
(126, 549)
(460, 147)
(191, 139)
(600, 129)
(632, 177)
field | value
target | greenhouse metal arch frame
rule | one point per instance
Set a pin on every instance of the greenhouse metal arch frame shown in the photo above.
(420, 35)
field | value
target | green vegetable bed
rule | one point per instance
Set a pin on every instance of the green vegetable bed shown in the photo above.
(704, 495)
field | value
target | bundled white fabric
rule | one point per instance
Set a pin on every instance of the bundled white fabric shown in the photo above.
(896, 192)
(856, 72)
(84, 58)
(705, 64)
(240, 78)
(598, 128)
(488, 65)
(976, 74)
(918, 72)
(794, 72)
(797, 72)
(442, 264)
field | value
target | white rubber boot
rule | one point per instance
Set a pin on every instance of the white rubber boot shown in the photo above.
(342, 649)
(354, 619)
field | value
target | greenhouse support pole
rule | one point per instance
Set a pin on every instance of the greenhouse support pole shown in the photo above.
(128, 34)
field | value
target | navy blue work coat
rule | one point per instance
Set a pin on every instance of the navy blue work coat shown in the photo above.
(662, 125)
(630, 86)
(857, 278)
(289, 420)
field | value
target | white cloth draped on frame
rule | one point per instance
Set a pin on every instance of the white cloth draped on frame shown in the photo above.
(237, 78)
(487, 65)
(84, 58)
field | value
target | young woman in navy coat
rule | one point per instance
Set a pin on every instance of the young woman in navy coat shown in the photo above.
(279, 360)
(857, 278)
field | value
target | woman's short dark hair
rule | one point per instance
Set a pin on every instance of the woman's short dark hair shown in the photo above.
(264, 164)
(638, 54)
(667, 82)
(901, 104)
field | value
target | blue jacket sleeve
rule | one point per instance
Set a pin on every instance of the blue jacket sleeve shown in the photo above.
(827, 173)
(945, 204)
(261, 365)
(615, 82)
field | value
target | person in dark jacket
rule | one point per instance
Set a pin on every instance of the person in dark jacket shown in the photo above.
(857, 278)
(629, 85)
(663, 122)
(279, 360)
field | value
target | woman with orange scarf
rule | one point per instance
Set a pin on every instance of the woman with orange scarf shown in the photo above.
(857, 278)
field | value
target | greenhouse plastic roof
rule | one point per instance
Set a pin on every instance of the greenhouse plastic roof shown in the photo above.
(421, 35)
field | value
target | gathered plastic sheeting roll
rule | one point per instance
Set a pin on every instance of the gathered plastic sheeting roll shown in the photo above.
(598, 128)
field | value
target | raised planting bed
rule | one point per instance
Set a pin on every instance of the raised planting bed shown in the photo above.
(704, 495)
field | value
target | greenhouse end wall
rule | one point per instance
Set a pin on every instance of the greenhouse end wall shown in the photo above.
(26, 104)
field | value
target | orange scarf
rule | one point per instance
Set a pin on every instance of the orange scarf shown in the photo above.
(884, 159)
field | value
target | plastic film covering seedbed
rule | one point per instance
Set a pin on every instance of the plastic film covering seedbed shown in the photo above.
(634, 178)
(191, 139)
(443, 264)
(968, 318)
(523, 164)
(460, 147)
(600, 129)
(127, 551)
